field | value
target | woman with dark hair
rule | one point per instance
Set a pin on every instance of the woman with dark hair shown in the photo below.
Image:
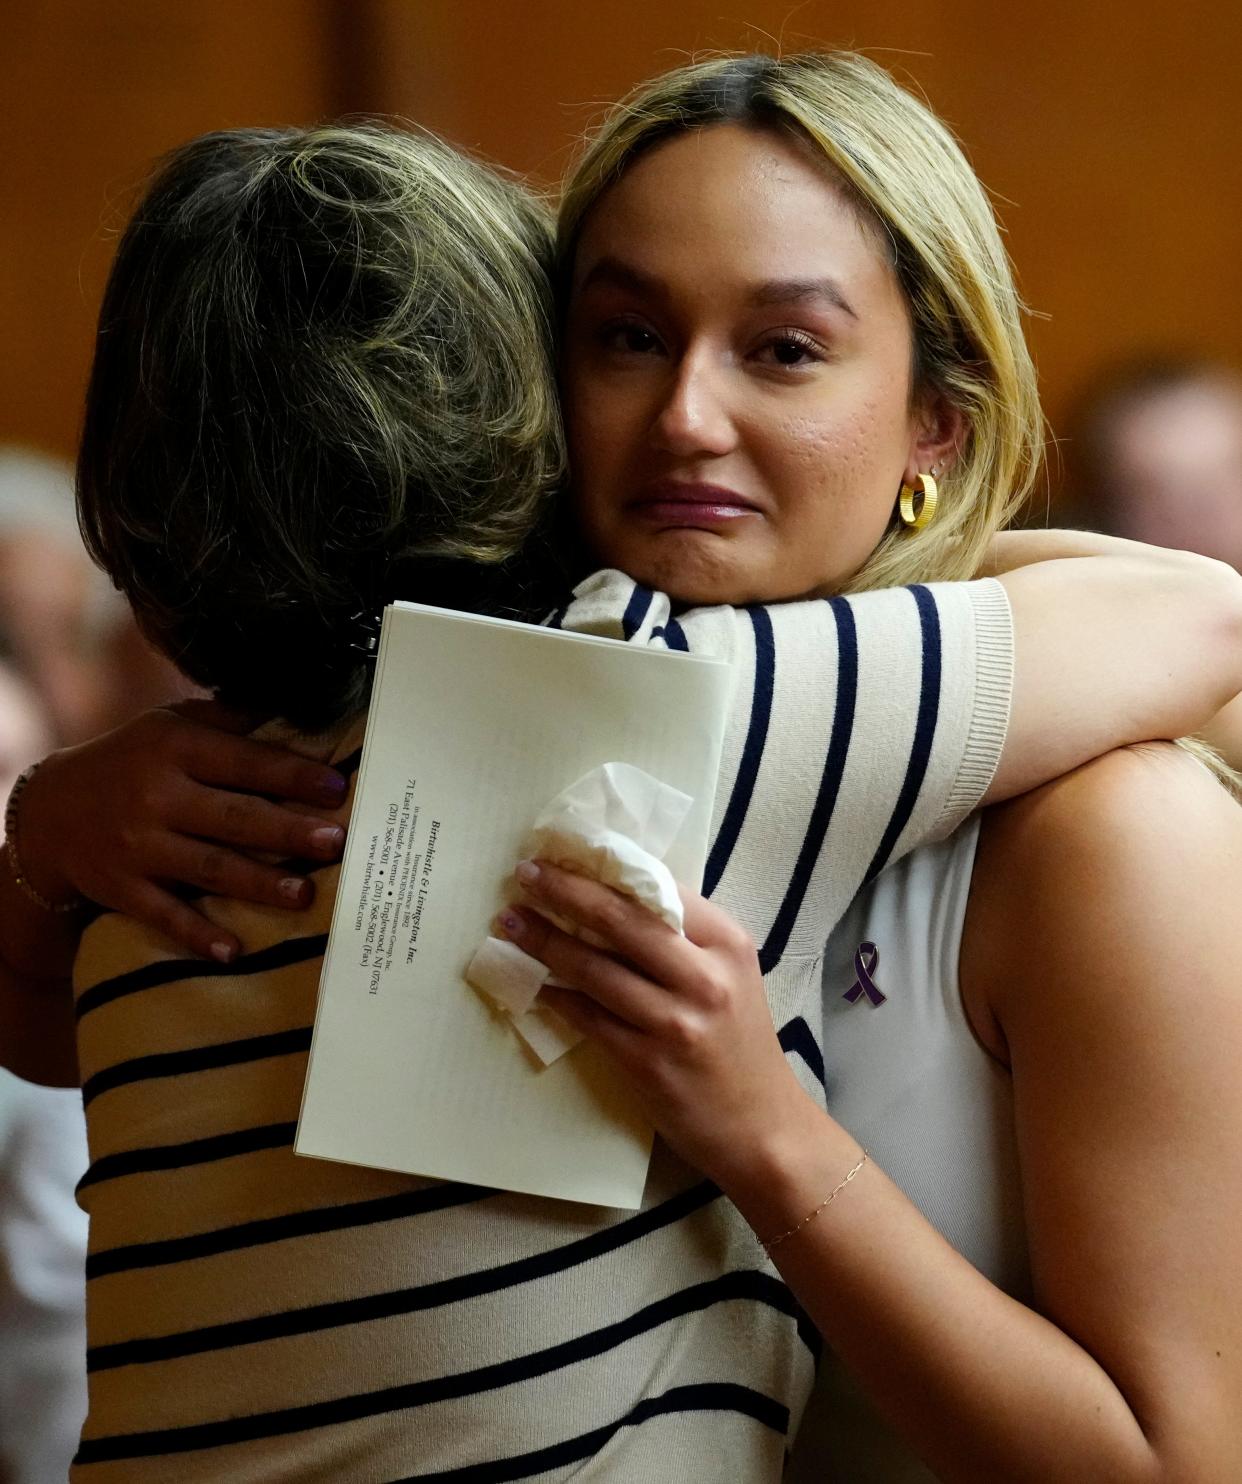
(407, 1324)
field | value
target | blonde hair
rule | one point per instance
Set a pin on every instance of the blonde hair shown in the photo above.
(909, 177)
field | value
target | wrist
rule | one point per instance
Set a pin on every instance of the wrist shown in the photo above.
(31, 833)
(769, 1174)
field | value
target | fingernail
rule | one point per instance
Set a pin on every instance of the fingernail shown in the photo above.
(334, 785)
(292, 887)
(327, 837)
(222, 952)
(527, 873)
(511, 923)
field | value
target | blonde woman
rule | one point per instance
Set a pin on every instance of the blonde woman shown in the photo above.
(408, 1325)
(1039, 1040)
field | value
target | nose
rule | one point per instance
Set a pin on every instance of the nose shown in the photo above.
(694, 419)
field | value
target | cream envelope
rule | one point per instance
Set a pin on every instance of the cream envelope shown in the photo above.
(474, 725)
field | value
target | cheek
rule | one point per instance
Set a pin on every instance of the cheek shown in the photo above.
(596, 431)
(850, 461)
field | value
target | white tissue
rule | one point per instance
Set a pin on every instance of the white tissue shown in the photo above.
(547, 1034)
(508, 977)
(615, 824)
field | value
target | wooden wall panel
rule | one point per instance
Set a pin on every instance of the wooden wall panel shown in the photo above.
(1109, 135)
(92, 93)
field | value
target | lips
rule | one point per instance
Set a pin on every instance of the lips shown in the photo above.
(676, 503)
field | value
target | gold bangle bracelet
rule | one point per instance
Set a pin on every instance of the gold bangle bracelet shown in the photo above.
(811, 1215)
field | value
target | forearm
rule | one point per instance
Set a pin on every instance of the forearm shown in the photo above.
(1011, 550)
(37, 947)
(981, 1387)
(1113, 650)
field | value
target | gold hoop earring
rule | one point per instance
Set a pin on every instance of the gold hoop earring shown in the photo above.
(910, 518)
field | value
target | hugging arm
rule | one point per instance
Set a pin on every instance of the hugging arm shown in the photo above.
(1101, 631)
(36, 999)
(1123, 1029)
(118, 820)
(865, 726)
(1115, 642)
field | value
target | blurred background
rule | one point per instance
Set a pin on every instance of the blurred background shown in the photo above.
(1108, 135)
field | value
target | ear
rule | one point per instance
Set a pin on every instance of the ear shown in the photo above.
(938, 435)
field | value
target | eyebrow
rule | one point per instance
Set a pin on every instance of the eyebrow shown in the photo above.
(613, 273)
(802, 290)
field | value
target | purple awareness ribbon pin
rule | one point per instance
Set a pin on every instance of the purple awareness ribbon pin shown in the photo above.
(866, 956)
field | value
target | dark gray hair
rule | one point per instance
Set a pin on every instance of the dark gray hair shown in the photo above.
(323, 378)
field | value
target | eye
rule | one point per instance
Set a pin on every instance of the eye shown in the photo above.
(791, 348)
(628, 337)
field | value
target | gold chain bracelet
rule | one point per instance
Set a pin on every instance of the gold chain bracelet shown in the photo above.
(15, 865)
(811, 1215)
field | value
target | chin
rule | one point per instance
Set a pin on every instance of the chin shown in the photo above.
(697, 574)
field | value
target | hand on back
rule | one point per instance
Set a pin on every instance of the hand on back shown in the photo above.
(177, 798)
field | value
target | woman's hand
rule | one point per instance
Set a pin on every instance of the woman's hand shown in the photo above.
(157, 801)
(686, 1019)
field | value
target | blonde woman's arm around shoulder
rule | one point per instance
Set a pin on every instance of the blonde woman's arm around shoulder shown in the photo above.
(1114, 642)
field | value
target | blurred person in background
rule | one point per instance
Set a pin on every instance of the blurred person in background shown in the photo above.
(42, 1281)
(42, 1228)
(25, 727)
(1155, 454)
(50, 595)
(72, 664)
(69, 632)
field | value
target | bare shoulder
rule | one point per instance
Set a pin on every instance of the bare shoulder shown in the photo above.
(1101, 965)
(1110, 857)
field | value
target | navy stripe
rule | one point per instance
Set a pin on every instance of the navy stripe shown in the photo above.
(708, 1396)
(173, 971)
(752, 751)
(829, 786)
(197, 1059)
(924, 731)
(746, 1286)
(318, 1317)
(797, 1039)
(439, 1196)
(675, 636)
(193, 1152)
(636, 610)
